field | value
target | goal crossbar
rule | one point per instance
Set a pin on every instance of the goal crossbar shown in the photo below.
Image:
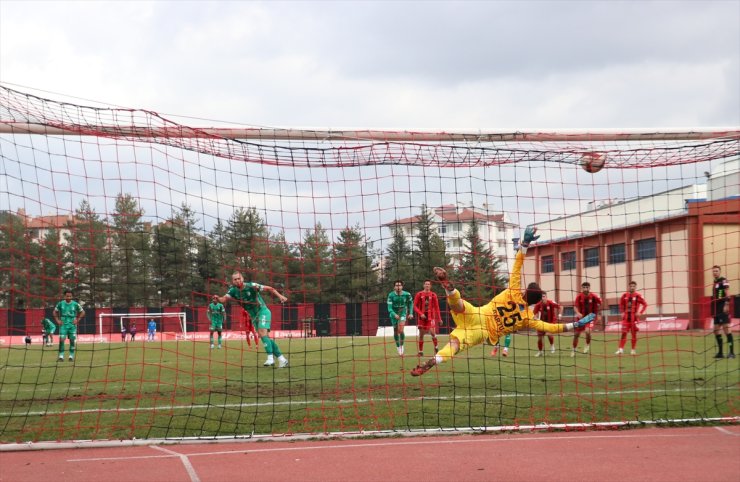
(414, 135)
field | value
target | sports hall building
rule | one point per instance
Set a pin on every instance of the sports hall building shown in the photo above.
(666, 242)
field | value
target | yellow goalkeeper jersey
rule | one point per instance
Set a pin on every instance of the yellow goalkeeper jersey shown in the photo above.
(508, 312)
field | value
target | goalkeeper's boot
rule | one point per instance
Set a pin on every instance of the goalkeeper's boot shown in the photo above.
(538, 354)
(494, 352)
(505, 352)
(586, 348)
(730, 355)
(633, 352)
(283, 362)
(420, 370)
(269, 362)
(619, 352)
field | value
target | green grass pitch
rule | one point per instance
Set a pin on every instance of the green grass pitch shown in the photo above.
(185, 389)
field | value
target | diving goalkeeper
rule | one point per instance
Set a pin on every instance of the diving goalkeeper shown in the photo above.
(506, 313)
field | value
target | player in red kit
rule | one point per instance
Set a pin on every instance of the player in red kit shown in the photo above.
(249, 329)
(549, 312)
(426, 307)
(586, 303)
(632, 305)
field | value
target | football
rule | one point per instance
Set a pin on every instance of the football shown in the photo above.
(592, 162)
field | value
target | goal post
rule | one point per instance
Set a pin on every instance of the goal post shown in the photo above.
(119, 320)
(148, 212)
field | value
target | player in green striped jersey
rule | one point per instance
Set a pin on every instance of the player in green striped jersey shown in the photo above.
(67, 314)
(248, 296)
(48, 329)
(216, 314)
(400, 306)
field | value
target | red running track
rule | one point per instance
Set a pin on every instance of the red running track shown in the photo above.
(652, 454)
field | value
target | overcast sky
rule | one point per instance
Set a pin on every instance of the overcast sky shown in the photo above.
(436, 65)
(405, 65)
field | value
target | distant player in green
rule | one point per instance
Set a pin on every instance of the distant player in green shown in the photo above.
(216, 314)
(67, 315)
(400, 306)
(48, 328)
(248, 296)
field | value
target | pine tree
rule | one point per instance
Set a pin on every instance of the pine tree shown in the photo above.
(176, 258)
(478, 274)
(316, 267)
(87, 255)
(131, 254)
(429, 250)
(355, 276)
(246, 239)
(398, 260)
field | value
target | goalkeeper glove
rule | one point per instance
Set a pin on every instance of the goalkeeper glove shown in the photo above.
(585, 320)
(529, 236)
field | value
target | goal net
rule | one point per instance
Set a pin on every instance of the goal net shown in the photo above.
(121, 323)
(140, 215)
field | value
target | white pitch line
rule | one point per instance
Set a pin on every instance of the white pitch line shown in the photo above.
(727, 432)
(610, 393)
(185, 461)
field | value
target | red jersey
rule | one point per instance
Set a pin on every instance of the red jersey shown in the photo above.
(427, 303)
(247, 321)
(547, 310)
(629, 304)
(586, 304)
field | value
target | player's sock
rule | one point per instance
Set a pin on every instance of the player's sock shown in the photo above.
(444, 354)
(539, 344)
(396, 338)
(730, 344)
(421, 345)
(267, 343)
(436, 343)
(623, 341)
(211, 338)
(402, 336)
(276, 349)
(634, 341)
(507, 340)
(220, 338)
(72, 345)
(718, 337)
(61, 346)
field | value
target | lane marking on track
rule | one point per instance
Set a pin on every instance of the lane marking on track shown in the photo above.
(385, 444)
(727, 432)
(185, 461)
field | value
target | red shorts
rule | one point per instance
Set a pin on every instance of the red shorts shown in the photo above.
(583, 328)
(628, 326)
(427, 324)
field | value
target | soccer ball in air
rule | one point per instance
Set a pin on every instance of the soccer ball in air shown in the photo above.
(592, 162)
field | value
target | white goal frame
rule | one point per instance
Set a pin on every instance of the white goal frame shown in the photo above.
(144, 316)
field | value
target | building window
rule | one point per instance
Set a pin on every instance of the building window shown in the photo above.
(645, 249)
(548, 264)
(591, 257)
(442, 228)
(568, 260)
(616, 253)
(569, 311)
(613, 310)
